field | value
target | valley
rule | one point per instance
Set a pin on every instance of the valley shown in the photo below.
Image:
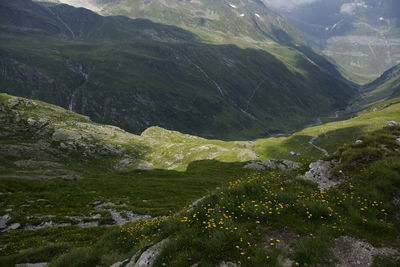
(190, 133)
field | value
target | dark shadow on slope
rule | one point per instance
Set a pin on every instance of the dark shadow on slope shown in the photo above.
(141, 74)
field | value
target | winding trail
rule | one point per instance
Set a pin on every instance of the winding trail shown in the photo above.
(311, 142)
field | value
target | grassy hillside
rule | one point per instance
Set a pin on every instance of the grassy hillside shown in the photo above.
(61, 174)
(329, 136)
(258, 218)
(386, 86)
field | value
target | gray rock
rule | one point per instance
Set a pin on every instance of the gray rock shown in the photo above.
(122, 217)
(14, 102)
(148, 257)
(31, 265)
(255, 165)
(65, 135)
(353, 252)
(44, 225)
(4, 220)
(393, 124)
(32, 164)
(43, 264)
(124, 164)
(228, 264)
(320, 172)
(398, 140)
(359, 142)
(12, 227)
(295, 154)
(88, 224)
(272, 164)
(120, 263)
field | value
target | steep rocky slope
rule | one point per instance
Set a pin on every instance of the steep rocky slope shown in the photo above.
(135, 74)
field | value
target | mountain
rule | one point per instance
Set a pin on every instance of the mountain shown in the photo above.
(386, 86)
(361, 36)
(240, 19)
(246, 23)
(134, 73)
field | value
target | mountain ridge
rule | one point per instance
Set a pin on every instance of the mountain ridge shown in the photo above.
(163, 75)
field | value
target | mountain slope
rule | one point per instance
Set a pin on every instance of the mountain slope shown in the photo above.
(360, 36)
(246, 23)
(386, 86)
(136, 74)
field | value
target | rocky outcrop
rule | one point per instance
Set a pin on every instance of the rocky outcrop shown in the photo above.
(393, 124)
(321, 173)
(228, 264)
(4, 220)
(148, 257)
(353, 252)
(31, 265)
(273, 164)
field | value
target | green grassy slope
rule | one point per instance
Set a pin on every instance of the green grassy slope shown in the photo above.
(263, 218)
(84, 174)
(329, 136)
(386, 86)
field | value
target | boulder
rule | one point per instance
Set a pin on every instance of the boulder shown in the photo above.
(294, 154)
(12, 227)
(320, 173)
(3, 221)
(359, 142)
(393, 124)
(353, 252)
(148, 257)
(398, 140)
(255, 165)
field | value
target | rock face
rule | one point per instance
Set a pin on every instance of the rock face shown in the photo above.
(353, 252)
(273, 164)
(148, 257)
(320, 172)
